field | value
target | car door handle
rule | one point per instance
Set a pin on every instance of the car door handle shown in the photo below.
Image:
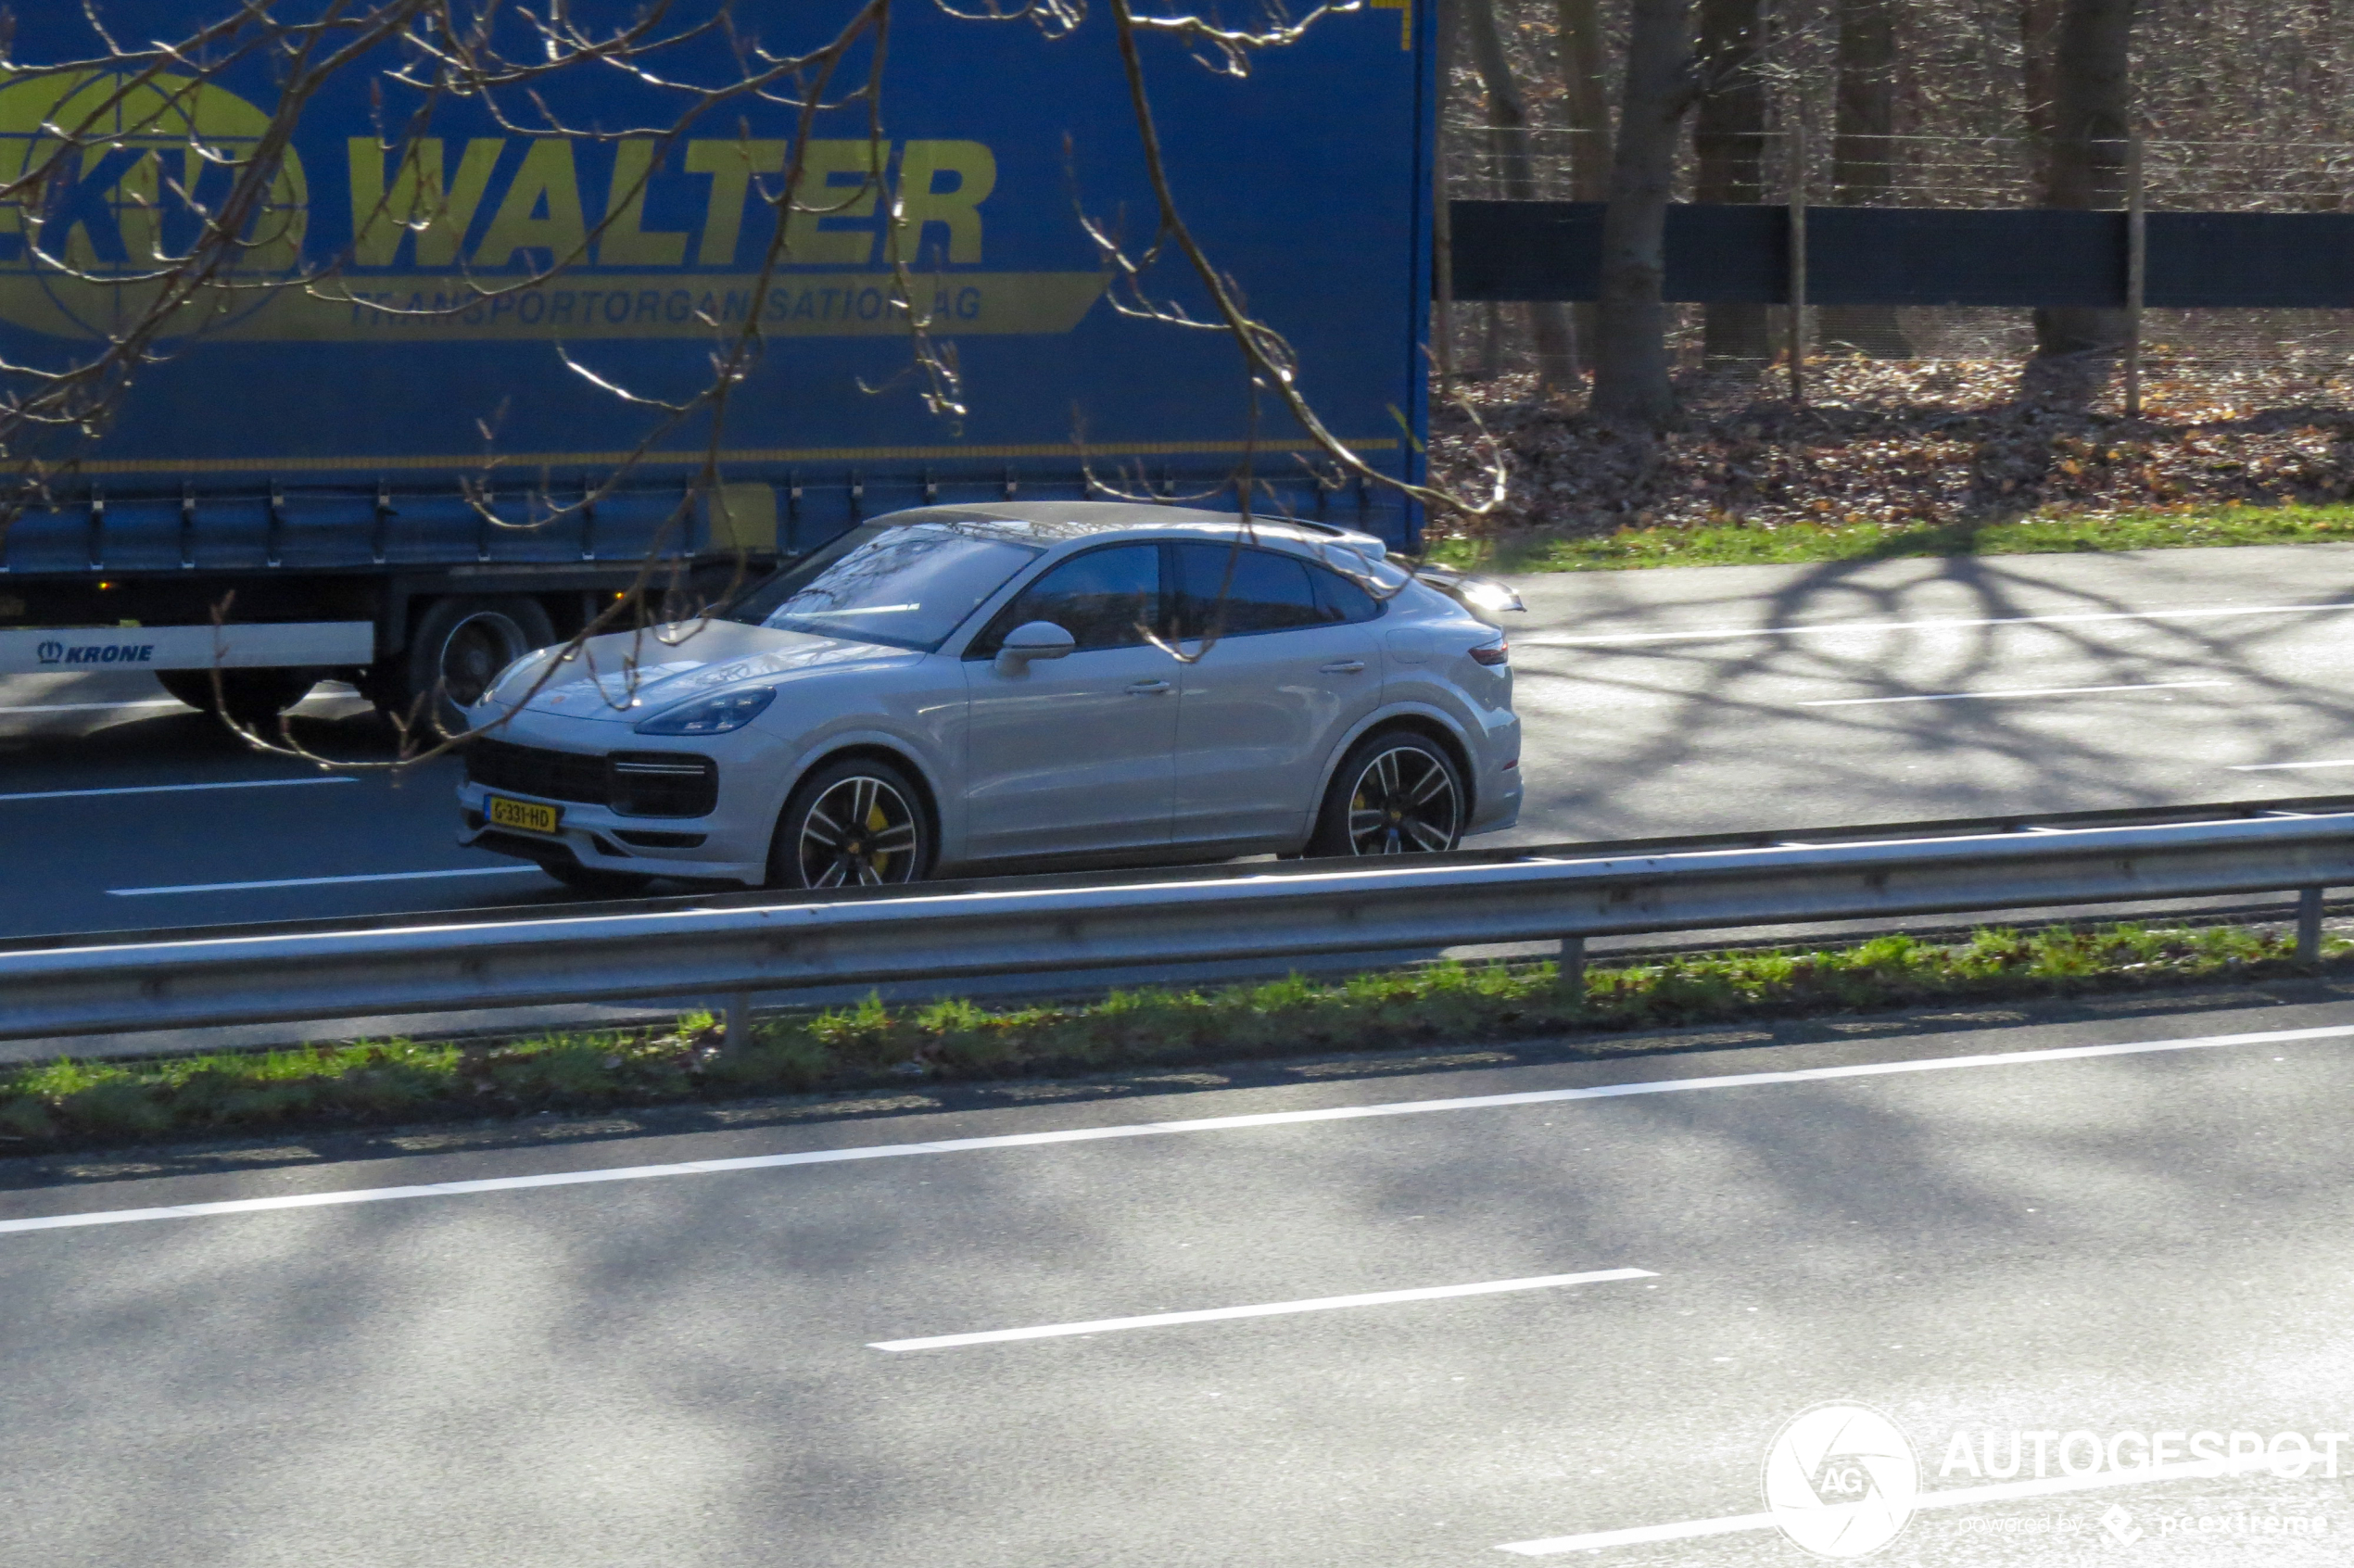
(1146, 687)
(1342, 667)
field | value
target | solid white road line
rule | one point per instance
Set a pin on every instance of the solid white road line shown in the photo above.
(173, 789)
(323, 881)
(1956, 1497)
(1213, 1314)
(2267, 767)
(2015, 691)
(95, 707)
(1682, 1530)
(1157, 1128)
(1718, 633)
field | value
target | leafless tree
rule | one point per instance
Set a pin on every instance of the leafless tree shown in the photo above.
(1729, 152)
(2039, 26)
(2084, 164)
(1585, 117)
(1864, 158)
(1585, 75)
(1631, 362)
(1508, 128)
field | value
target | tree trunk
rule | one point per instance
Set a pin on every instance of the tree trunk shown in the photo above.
(1630, 361)
(1585, 104)
(1585, 97)
(1728, 146)
(2091, 114)
(1864, 160)
(2038, 54)
(1548, 324)
(1442, 221)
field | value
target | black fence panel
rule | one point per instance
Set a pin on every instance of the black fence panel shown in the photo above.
(1931, 255)
(1552, 250)
(2277, 261)
(1919, 256)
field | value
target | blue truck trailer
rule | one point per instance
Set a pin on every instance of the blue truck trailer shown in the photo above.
(354, 446)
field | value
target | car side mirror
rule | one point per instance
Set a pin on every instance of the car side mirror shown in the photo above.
(1034, 639)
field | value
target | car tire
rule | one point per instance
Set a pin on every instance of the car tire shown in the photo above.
(1397, 792)
(458, 648)
(591, 882)
(252, 698)
(858, 822)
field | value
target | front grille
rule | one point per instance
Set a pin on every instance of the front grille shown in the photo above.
(633, 783)
(663, 784)
(535, 770)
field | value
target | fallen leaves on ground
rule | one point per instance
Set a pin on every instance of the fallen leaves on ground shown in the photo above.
(1902, 444)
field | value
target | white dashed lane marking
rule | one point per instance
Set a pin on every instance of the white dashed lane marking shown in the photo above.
(173, 789)
(326, 882)
(1215, 1314)
(2014, 692)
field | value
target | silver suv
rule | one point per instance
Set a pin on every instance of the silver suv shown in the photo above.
(984, 689)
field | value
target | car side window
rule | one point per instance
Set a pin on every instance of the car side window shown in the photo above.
(1341, 599)
(1267, 591)
(1104, 599)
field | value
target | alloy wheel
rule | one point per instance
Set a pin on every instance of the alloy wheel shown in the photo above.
(861, 832)
(1404, 802)
(475, 651)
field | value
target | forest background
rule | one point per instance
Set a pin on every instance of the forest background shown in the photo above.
(1635, 413)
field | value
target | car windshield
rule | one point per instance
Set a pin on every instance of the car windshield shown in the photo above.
(903, 587)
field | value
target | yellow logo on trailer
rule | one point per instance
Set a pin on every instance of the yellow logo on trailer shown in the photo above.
(111, 180)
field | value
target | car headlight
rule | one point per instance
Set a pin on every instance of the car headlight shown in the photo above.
(711, 716)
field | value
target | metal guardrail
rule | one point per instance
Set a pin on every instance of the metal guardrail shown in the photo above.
(444, 963)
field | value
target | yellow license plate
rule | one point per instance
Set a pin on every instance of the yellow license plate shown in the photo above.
(529, 816)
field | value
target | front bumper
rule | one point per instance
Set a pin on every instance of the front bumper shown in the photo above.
(727, 843)
(591, 837)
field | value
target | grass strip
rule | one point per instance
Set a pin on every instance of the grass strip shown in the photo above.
(1761, 544)
(69, 1104)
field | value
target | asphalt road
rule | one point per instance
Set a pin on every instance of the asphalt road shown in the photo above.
(1656, 703)
(681, 1366)
(1914, 690)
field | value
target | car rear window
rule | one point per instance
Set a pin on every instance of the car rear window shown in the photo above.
(1241, 590)
(1341, 599)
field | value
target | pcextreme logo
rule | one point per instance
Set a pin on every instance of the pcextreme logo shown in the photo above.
(492, 237)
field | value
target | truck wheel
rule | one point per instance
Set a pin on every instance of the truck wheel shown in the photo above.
(458, 648)
(254, 698)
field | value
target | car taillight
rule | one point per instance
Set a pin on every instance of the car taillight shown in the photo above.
(1496, 652)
